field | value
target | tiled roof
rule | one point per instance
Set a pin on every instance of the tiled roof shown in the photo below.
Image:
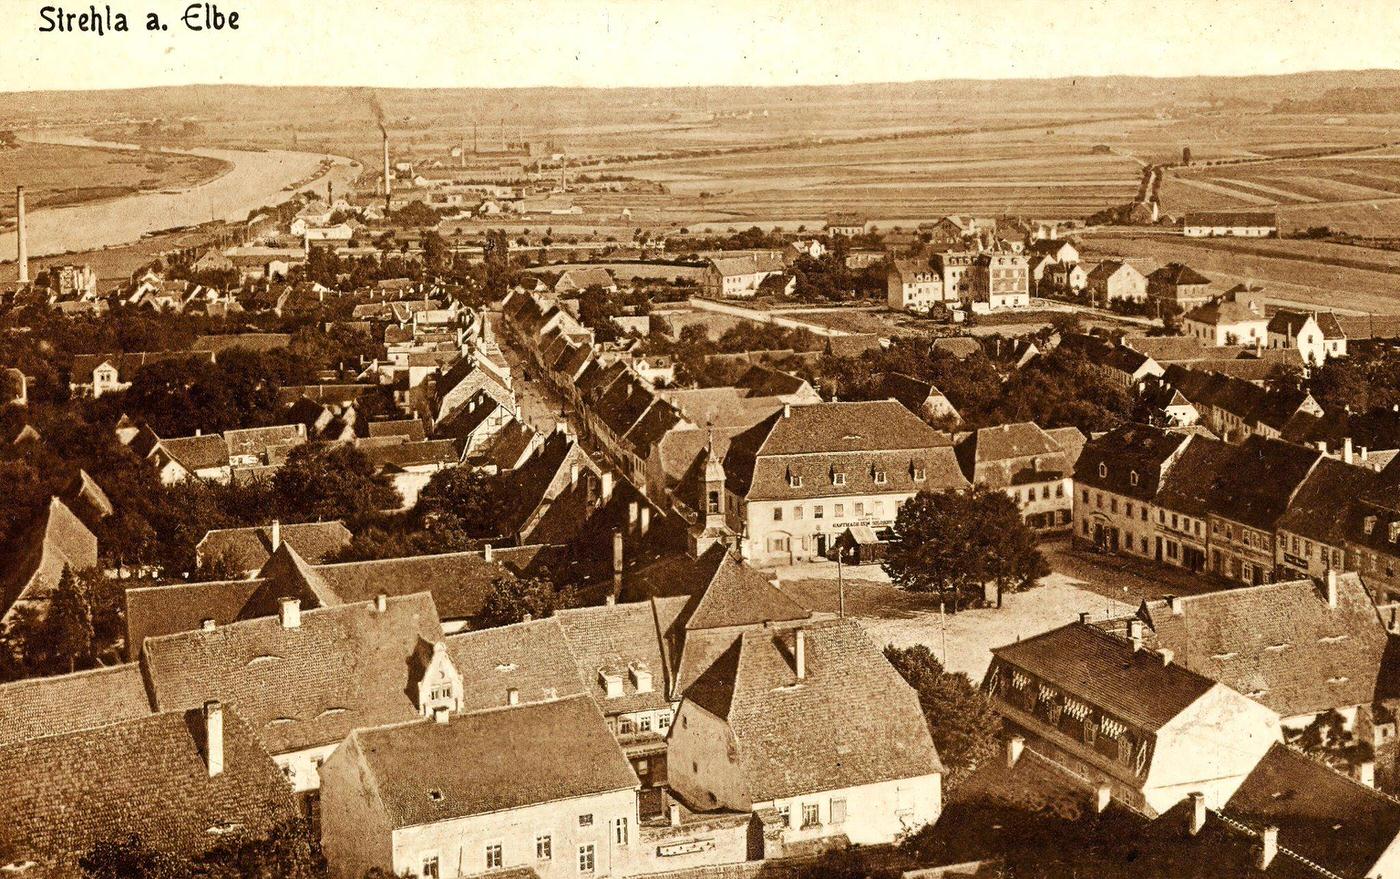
(958, 346)
(408, 427)
(532, 658)
(1323, 816)
(850, 721)
(738, 595)
(1230, 218)
(341, 668)
(1192, 486)
(197, 452)
(730, 266)
(1279, 643)
(1103, 670)
(1168, 349)
(246, 341)
(1317, 511)
(613, 636)
(153, 611)
(1013, 454)
(1124, 452)
(57, 540)
(458, 581)
(258, 440)
(1219, 312)
(765, 381)
(521, 756)
(1258, 487)
(507, 447)
(248, 549)
(582, 278)
(1289, 323)
(129, 363)
(440, 452)
(721, 407)
(147, 776)
(1177, 275)
(57, 705)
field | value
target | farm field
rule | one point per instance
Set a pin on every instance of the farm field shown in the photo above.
(1285, 281)
(55, 175)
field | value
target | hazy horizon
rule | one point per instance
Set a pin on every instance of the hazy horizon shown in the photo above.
(463, 44)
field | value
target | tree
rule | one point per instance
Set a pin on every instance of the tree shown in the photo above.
(68, 622)
(130, 858)
(461, 499)
(284, 853)
(961, 719)
(954, 543)
(323, 481)
(511, 599)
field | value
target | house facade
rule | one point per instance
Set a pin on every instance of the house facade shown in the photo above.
(1231, 224)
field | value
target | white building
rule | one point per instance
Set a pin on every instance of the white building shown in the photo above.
(1236, 224)
(1237, 318)
(913, 285)
(1317, 335)
(739, 277)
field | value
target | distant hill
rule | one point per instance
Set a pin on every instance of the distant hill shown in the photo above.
(1351, 99)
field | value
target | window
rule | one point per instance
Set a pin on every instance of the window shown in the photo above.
(544, 847)
(1128, 508)
(860, 509)
(840, 510)
(1143, 513)
(879, 508)
(785, 813)
(795, 481)
(586, 860)
(838, 479)
(493, 856)
(1059, 489)
(1133, 478)
(430, 867)
(620, 831)
(919, 474)
(1103, 470)
(880, 478)
(443, 692)
(712, 502)
(838, 811)
(797, 513)
(625, 726)
(663, 720)
(1085, 495)
(1113, 505)
(818, 511)
(644, 723)
(810, 816)
(585, 820)
(777, 514)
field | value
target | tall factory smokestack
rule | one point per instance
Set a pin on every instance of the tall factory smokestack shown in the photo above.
(388, 186)
(21, 237)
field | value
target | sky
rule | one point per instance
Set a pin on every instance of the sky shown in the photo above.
(503, 43)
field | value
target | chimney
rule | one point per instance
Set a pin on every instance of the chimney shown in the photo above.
(617, 564)
(787, 410)
(1346, 451)
(1268, 847)
(381, 602)
(632, 512)
(441, 714)
(1322, 446)
(214, 737)
(487, 553)
(646, 518)
(573, 474)
(1135, 633)
(607, 489)
(289, 612)
(800, 651)
(675, 814)
(1083, 618)
(199, 431)
(1363, 454)
(388, 186)
(1198, 812)
(276, 534)
(1331, 582)
(1366, 773)
(1174, 605)
(1014, 746)
(512, 696)
(1165, 655)
(21, 237)
(207, 625)
(1103, 795)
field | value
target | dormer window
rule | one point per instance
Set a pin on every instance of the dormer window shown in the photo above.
(880, 477)
(838, 478)
(1133, 478)
(1103, 470)
(919, 474)
(641, 676)
(611, 682)
(1369, 524)
(794, 481)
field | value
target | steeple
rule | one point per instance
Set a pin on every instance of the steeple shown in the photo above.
(709, 527)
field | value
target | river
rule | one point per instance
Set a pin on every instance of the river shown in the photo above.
(254, 179)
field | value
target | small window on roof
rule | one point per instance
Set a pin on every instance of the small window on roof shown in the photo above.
(1133, 478)
(1103, 470)
(838, 478)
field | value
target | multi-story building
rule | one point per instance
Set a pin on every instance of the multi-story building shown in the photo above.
(1114, 279)
(1000, 280)
(1128, 721)
(1115, 484)
(739, 277)
(1183, 503)
(1235, 224)
(954, 268)
(1034, 467)
(1311, 537)
(913, 285)
(1237, 318)
(1372, 534)
(1178, 286)
(1316, 335)
(1248, 499)
(798, 479)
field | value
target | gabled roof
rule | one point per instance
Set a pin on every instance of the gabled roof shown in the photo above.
(58, 539)
(1317, 511)
(341, 668)
(147, 776)
(1177, 274)
(754, 263)
(584, 277)
(249, 548)
(507, 447)
(1289, 323)
(1329, 819)
(1279, 643)
(51, 706)
(1230, 218)
(195, 453)
(1224, 312)
(1104, 671)
(612, 637)
(532, 658)
(521, 756)
(152, 611)
(736, 594)
(457, 581)
(1262, 480)
(1131, 458)
(412, 428)
(1192, 485)
(850, 721)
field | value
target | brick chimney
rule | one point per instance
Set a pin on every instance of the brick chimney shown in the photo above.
(512, 696)
(214, 737)
(1331, 587)
(800, 654)
(1346, 451)
(1197, 815)
(1174, 605)
(276, 534)
(1268, 847)
(289, 612)
(1135, 633)
(487, 553)
(381, 602)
